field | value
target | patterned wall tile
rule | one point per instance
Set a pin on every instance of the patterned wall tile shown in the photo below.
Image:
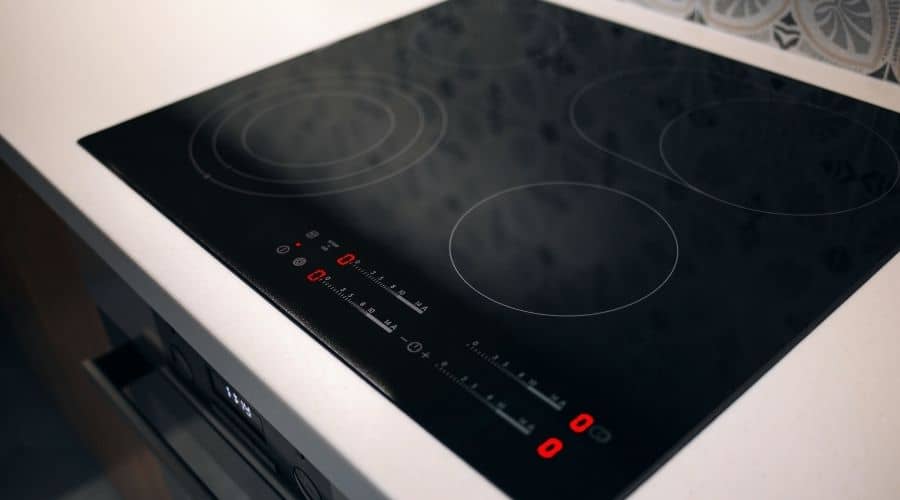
(862, 35)
(894, 14)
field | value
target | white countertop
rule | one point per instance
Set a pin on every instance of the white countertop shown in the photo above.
(823, 423)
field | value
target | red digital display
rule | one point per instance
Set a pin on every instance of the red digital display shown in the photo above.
(581, 423)
(549, 448)
(316, 275)
(346, 259)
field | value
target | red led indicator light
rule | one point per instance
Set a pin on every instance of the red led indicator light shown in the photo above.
(298, 244)
(549, 448)
(581, 423)
(346, 259)
(316, 275)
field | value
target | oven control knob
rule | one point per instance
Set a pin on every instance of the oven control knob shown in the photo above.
(306, 484)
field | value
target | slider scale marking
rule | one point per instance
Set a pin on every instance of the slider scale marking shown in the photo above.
(401, 298)
(530, 388)
(471, 390)
(348, 297)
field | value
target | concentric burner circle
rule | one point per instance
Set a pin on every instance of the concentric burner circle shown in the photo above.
(310, 137)
(335, 119)
(563, 249)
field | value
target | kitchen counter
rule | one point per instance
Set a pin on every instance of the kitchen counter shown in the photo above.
(821, 424)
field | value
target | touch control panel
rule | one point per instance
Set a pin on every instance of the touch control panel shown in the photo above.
(510, 392)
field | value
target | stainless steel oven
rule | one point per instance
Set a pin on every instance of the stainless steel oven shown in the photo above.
(212, 441)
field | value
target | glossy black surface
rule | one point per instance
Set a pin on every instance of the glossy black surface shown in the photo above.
(550, 215)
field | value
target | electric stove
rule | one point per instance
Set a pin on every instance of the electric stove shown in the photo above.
(562, 246)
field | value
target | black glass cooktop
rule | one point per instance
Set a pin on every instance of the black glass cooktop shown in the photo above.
(560, 245)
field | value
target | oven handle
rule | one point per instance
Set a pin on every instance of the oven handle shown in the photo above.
(115, 370)
(109, 373)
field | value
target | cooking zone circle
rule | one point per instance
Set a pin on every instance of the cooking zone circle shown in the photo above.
(806, 160)
(310, 137)
(650, 98)
(563, 249)
(486, 37)
(338, 126)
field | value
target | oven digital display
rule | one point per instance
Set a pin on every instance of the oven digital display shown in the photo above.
(235, 401)
(238, 403)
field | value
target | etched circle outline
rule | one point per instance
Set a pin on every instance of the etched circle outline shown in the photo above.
(392, 118)
(420, 114)
(566, 183)
(441, 133)
(856, 122)
(630, 73)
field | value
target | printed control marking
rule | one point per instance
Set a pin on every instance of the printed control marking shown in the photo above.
(497, 410)
(556, 405)
(348, 297)
(382, 284)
